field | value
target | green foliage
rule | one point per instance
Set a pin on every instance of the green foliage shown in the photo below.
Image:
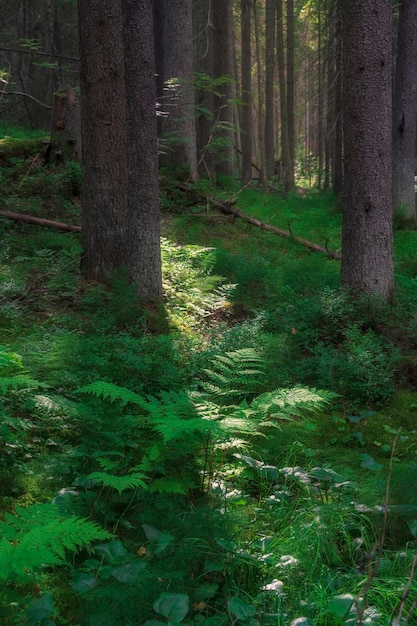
(38, 536)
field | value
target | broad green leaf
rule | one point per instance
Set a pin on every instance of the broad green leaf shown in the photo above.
(369, 462)
(112, 551)
(159, 539)
(341, 605)
(130, 572)
(240, 609)
(84, 582)
(205, 591)
(39, 610)
(173, 606)
(412, 525)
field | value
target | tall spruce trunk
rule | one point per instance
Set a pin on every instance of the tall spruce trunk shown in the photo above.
(144, 260)
(367, 262)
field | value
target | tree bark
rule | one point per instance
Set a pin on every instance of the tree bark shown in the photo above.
(246, 114)
(204, 96)
(105, 216)
(291, 90)
(66, 125)
(143, 242)
(223, 67)
(405, 113)
(286, 177)
(367, 264)
(178, 101)
(269, 88)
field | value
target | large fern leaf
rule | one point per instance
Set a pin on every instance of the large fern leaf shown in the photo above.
(119, 483)
(235, 374)
(112, 392)
(39, 536)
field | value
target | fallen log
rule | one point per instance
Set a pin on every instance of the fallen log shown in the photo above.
(228, 209)
(40, 221)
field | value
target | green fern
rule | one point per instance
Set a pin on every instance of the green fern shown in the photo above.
(14, 383)
(112, 392)
(119, 483)
(234, 375)
(38, 536)
(286, 403)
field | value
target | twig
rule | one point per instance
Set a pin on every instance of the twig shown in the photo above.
(26, 95)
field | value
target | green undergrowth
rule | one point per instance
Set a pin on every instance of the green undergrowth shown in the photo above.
(246, 456)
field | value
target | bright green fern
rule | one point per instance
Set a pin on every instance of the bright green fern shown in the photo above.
(38, 536)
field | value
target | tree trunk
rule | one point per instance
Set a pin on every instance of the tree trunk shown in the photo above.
(291, 90)
(405, 113)
(246, 115)
(367, 263)
(66, 126)
(105, 221)
(285, 146)
(260, 97)
(204, 92)
(223, 67)
(269, 88)
(337, 162)
(144, 261)
(179, 125)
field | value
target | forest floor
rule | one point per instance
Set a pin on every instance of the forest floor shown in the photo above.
(248, 458)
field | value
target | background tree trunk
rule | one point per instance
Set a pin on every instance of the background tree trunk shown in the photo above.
(405, 113)
(291, 90)
(66, 126)
(204, 96)
(179, 125)
(285, 146)
(223, 67)
(367, 261)
(246, 115)
(270, 15)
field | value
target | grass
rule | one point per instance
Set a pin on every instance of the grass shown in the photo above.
(258, 526)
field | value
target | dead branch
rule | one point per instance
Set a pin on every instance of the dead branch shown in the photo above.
(40, 221)
(39, 53)
(26, 95)
(228, 209)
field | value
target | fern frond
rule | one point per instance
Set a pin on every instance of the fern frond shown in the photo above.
(112, 392)
(284, 403)
(234, 374)
(119, 483)
(20, 381)
(38, 536)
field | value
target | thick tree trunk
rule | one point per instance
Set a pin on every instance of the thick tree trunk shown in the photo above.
(367, 263)
(104, 193)
(405, 113)
(144, 259)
